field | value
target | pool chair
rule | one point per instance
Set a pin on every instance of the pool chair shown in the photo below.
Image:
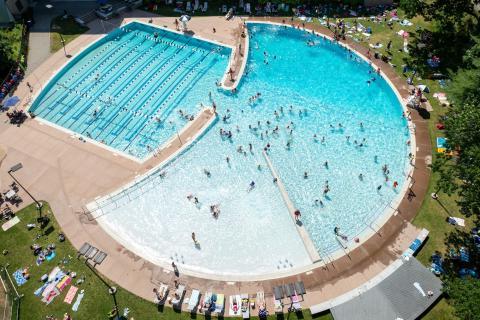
(300, 288)
(161, 295)
(193, 300)
(278, 296)
(99, 257)
(188, 8)
(83, 249)
(220, 303)
(92, 252)
(289, 290)
(205, 7)
(224, 9)
(295, 306)
(235, 306)
(245, 306)
(196, 5)
(178, 297)
(207, 300)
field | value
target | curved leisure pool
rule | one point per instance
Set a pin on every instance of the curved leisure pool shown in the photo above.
(306, 90)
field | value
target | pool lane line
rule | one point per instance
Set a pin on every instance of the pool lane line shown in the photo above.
(178, 88)
(133, 96)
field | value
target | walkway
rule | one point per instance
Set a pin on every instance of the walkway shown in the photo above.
(69, 173)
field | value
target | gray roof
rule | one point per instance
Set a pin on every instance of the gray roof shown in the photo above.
(395, 297)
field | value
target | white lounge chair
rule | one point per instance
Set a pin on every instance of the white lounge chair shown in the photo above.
(188, 8)
(224, 9)
(193, 300)
(161, 295)
(220, 303)
(206, 301)
(277, 306)
(245, 306)
(205, 6)
(178, 297)
(235, 306)
(196, 5)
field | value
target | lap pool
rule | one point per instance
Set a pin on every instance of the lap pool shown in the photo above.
(322, 110)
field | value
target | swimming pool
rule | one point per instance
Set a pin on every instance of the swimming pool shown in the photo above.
(122, 90)
(306, 89)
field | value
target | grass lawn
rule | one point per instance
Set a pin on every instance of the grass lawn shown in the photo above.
(67, 28)
(96, 302)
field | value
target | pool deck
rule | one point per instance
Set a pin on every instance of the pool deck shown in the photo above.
(69, 173)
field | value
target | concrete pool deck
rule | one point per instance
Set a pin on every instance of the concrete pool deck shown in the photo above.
(69, 173)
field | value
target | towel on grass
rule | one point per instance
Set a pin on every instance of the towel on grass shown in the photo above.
(70, 294)
(77, 302)
(19, 278)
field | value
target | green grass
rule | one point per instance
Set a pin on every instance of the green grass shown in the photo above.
(67, 28)
(96, 302)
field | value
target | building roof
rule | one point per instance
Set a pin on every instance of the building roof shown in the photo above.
(6, 17)
(396, 297)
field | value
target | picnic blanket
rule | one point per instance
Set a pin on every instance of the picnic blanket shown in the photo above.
(70, 294)
(19, 278)
(10, 223)
(79, 299)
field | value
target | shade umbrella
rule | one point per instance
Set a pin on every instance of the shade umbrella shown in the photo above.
(10, 102)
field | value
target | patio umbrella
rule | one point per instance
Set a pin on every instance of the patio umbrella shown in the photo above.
(10, 102)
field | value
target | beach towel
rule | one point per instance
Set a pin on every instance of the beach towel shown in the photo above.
(62, 284)
(39, 291)
(50, 256)
(456, 221)
(19, 278)
(48, 298)
(77, 302)
(53, 273)
(10, 223)
(70, 294)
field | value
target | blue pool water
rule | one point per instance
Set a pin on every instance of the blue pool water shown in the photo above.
(116, 91)
(327, 89)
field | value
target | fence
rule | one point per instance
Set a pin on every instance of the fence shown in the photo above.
(10, 308)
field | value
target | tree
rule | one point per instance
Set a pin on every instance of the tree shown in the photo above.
(464, 294)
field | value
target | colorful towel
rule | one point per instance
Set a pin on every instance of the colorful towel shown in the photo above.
(47, 299)
(77, 302)
(70, 294)
(19, 278)
(50, 256)
(62, 284)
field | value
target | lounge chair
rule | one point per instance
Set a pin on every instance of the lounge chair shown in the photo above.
(196, 5)
(83, 249)
(289, 290)
(207, 300)
(205, 6)
(220, 303)
(161, 295)
(193, 300)
(245, 306)
(296, 306)
(278, 306)
(224, 9)
(99, 257)
(278, 293)
(91, 253)
(235, 303)
(300, 288)
(188, 7)
(178, 297)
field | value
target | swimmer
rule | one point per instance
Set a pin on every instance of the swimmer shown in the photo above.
(379, 187)
(190, 197)
(194, 238)
(395, 184)
(305, 175)
(227, 159)
(251, 186)
(207, 173)
(275, 180)
(360, 176)
(326, 164)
